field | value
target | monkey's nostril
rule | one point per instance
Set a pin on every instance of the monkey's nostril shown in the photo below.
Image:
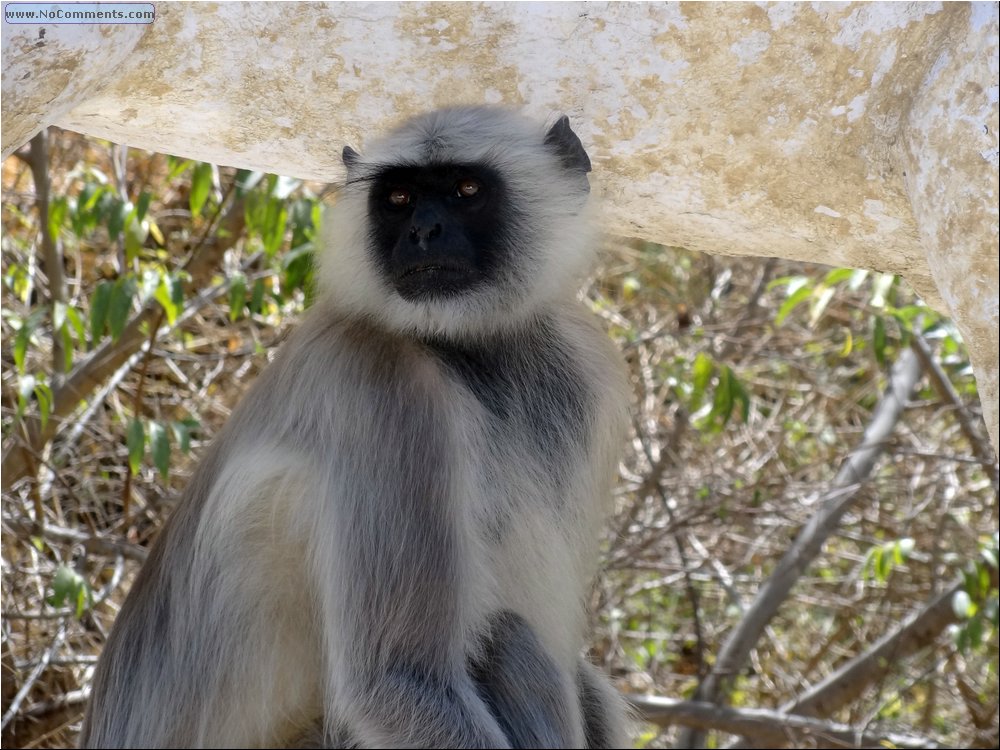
(414, 235)
(435, 232)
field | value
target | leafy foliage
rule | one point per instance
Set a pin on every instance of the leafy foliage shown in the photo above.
(977, 605)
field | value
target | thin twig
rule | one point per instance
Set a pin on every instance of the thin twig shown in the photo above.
(93, 544)
(69, 699)
(136, 411)
(981, 448)
(32, 678)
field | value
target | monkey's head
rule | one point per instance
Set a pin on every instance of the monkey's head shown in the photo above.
(460, 222)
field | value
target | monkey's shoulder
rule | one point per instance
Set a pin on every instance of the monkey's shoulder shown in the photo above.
(546, 383)
(518, 374)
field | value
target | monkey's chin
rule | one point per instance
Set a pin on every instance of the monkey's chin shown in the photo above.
(433, 282)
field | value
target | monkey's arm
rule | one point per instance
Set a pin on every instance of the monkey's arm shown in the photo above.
(523, 686)
(524, 690)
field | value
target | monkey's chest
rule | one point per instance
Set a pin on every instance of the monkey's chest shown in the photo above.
(532, 411)
(524, 415)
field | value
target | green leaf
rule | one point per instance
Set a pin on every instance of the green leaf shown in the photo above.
(902, 550)
(170, 295)
(701, 376)
(143, 205)
(21, 341)
(254, 206)
(848, 346)
(787, 281)
(881, 560)
(67, 343)
(136, 233)
(24, 334)
(99, 304)
(201, 185)
(120, 305)
(154, 230)
(257, 298)
(57, 216)
(237, 295)
(304, 218)
(19, 281)
(119, 210)
(159, 446)
(722, 403)
(182, 432)
(273, 227)
(246, 180)
(985, 580)
(90, 194)
(883, 565)
(63, 585)
(68, 586)
(43, 394)
(177, 166)
(971, 582)
(878, 564)
(298, 266)
(316, 214)
(794, 299)
(136, 441)
(837, 275)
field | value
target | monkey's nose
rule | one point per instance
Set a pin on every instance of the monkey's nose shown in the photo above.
(419, 234)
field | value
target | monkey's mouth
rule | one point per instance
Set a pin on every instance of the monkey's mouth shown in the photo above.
(429, 280)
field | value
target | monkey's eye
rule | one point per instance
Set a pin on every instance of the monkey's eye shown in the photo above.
(467, 188)
(399, 197)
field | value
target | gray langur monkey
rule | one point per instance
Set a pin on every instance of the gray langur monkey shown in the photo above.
(391, 541)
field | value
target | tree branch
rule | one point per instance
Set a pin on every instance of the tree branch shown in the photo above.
(38, 160)
(834, 503)
(758, 722)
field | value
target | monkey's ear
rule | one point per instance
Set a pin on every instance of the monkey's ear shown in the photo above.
(350, 157)
(567, 145)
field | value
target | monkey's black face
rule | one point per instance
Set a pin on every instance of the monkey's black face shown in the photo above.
(438, 230)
